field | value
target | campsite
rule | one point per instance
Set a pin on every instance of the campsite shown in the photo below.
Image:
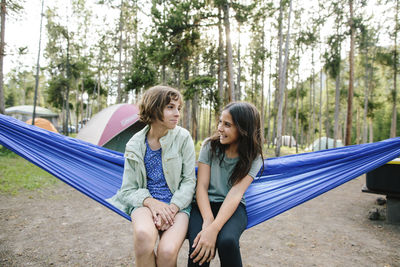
(309, 90)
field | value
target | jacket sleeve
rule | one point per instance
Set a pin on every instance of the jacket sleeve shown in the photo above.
(133, 190)
(183, 196)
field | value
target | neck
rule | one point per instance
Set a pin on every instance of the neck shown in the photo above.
(232, 151)
(156, 131)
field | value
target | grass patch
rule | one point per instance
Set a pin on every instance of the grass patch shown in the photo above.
(17, 174)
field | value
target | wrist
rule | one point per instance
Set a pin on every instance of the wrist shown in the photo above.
(147, 201)
(215, 226)
(208, 220)
(175, 209)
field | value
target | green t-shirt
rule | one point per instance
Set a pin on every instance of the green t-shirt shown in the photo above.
(220, 172)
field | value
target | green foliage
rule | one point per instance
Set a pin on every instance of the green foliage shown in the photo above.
(10, 100)
(198, 85)
(142, 73)
(56, 90)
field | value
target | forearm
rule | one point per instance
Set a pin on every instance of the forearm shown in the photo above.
(228, 207)
(231, 202)
(203, 203)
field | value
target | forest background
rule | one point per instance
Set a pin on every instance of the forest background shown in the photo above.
(312, 68)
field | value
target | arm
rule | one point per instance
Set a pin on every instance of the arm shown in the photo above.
(133, 191)
(206, 239)
(203, 182)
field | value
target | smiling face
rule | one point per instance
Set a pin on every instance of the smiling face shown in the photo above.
(228, 132)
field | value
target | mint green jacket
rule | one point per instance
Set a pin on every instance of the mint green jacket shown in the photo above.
(178, 162)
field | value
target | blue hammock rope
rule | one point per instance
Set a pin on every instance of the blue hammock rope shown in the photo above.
(285, 183)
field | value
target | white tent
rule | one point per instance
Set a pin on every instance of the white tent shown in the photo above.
(287, 140)
(316, 144)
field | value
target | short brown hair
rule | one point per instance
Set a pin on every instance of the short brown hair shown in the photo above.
(154, 100)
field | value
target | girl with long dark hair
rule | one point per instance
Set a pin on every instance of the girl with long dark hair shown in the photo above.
(228, 162)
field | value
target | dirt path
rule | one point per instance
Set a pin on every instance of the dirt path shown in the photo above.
(61, 227)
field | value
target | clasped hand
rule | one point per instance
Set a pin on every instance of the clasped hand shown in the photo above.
(163, 213)
(204, 244)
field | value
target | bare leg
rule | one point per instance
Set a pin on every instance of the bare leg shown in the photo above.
(145, 236)
(171, 241)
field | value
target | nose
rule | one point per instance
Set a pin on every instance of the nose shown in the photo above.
(219, 128)
(177, 113)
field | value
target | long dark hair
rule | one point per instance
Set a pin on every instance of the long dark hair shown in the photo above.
(246, 118)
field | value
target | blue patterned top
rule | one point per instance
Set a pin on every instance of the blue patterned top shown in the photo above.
(156, 182)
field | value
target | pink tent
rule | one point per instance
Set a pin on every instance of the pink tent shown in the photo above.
(112, 127)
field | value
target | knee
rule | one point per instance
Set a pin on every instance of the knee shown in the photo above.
(167, 253)
(227, 244)
(142, 242)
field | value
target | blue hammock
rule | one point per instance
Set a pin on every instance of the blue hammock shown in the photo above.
(285, 183)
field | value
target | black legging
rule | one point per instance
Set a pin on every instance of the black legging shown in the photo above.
(228, 238)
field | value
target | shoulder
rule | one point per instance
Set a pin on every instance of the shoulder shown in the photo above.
(137, 139)
(179, 135)
(181, 132)
(206, 142)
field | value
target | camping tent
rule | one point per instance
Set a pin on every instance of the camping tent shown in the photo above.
(25, 112)
(324, 139)
(112, 127)
(44, 124)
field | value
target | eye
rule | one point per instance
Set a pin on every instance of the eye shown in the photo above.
(179, 108)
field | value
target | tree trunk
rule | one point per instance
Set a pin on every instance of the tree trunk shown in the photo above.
(282, 85)
(66, 123)
(351, 78)
(312, 99)
(2, 44)
(297, 112)
(37, 67)
(121, 26)
(229, 59)
(81, 106)
(393, 127)
(269, 98)
(195, 131)
(221, 64)
(371, 131)
(262, 87)
(238, 93)
(327, 110)
(187, 115)
(320, 109)
(366, 87)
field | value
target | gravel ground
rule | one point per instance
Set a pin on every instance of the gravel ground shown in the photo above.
(59, 226)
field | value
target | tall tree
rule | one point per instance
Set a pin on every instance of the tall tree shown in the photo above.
(2, 44)
(38, 65)
(282, 85)
(229, 57)
(6, 7)
(393, 127)
(349, 118)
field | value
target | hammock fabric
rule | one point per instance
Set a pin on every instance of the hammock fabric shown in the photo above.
(285, 183)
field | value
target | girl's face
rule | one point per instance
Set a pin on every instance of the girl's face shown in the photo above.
(171, 114)
(228, 132)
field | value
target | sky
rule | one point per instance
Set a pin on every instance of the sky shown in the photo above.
(23, 29)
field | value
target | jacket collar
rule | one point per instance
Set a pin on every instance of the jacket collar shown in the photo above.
(137, 143)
